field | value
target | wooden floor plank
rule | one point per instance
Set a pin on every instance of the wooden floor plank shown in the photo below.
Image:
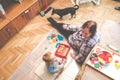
(15, 51)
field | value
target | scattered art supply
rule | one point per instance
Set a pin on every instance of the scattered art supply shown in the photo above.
(113, 48)
(117, 64)
(42, 13)
(55, 38)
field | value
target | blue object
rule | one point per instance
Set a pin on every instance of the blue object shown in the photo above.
(51, 70)
(60, 37)
(57, 44)
(49, 37)
(42, 13)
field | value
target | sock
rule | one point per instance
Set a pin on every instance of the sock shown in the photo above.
(52, 21)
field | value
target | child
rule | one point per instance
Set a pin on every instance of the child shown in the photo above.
(53, 65)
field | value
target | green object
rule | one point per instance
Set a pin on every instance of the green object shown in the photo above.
(96, 65)
(113, 48)
(46, 48)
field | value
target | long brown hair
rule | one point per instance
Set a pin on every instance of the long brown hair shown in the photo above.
(92, 25)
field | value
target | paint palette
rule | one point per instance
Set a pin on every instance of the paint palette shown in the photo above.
(105, 61)
(104, 57)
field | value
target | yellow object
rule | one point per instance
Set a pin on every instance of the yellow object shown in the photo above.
(100, 60)
(117, 65)
(54, 39)
(50, 41)
(110, 59)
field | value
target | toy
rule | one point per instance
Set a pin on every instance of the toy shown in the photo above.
(62, 51)
(96, 65)
(117, 64)
(57, 44)
(59, 37)
(42, 13)
(98, 50)
(55, 37)
(93, 58)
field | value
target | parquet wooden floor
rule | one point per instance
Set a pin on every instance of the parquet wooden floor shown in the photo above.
(18, 47)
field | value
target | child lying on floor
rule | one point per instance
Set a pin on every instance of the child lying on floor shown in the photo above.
(53, 65)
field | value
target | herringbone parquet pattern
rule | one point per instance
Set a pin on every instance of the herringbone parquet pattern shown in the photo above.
(15, 51)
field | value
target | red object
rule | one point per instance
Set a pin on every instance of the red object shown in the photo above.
(98, 50)
(92, 61)
(105, 56)
(116, 61)
(62, 51)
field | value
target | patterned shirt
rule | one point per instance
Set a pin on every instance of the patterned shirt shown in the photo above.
(55, 66)
(81, 45)
(52, 66)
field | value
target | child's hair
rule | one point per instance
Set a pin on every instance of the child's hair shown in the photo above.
(47, 57)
